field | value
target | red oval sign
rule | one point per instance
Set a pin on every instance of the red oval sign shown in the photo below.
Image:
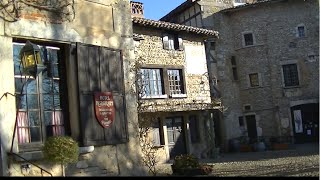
(104, 108)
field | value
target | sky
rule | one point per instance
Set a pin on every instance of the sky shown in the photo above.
(156, 9)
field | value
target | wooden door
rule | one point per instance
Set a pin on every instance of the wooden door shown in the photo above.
(252, 127)
(176, 140)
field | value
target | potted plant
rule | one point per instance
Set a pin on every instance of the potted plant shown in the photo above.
(277, 144)
(62, 150)
(244, 144)
(259, 145)
(188, 164)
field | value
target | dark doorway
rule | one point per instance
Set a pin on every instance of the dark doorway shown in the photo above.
(251, 127)
(175, 131)
(305, 120)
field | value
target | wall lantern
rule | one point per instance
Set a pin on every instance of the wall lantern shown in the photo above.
(31, 60)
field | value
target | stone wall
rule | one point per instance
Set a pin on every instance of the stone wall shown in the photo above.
(274, 28)
(98, 23)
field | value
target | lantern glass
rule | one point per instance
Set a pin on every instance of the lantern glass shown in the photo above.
(31, 59)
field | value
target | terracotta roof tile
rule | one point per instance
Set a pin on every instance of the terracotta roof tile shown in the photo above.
(173, 26)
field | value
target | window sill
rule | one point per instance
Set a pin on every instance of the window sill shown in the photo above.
(178, 96)
(155, 97)
(291, 87)
(250, 46)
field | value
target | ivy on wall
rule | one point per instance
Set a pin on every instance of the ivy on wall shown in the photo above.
(13, 10)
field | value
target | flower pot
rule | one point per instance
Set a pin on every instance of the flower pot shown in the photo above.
(259, 146)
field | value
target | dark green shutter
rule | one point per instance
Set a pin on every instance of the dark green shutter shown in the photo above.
(100, 70)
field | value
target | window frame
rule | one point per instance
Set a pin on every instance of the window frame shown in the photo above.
(298, 32)
(172, 41)
(284, 75)
(166, 83)
(60, 79)
(259, 81)
(244, 43)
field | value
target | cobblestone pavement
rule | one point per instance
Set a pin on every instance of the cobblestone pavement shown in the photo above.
(302, 160)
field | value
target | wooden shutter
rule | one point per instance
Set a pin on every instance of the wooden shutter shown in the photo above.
(100, 70)
(165, 40)
(180, 43)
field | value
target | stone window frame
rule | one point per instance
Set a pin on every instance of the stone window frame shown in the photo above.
(288, 62)
(243, 38)
(249, 85)
(304, 31)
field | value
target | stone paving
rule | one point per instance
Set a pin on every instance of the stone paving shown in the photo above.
(302, 160)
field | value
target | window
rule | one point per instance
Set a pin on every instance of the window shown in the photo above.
(194, 129)
(300, 32)
(290, 75)
(234, 68)
(158, 82)
(175, 82)
(254, 79)
(151, 82)
(172, 42)
(40, 101)
(248, 39)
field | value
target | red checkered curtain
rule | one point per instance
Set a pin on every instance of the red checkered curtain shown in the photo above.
(23, 128)
(57, 123)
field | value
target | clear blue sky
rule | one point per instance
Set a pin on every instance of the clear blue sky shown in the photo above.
(156, 9)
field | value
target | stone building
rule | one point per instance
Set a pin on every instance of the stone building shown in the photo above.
(87, 47)
(266, 62)
(173, 87)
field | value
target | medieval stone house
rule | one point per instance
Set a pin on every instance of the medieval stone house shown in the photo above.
(173, 87)
(87, 48)
(266, 62)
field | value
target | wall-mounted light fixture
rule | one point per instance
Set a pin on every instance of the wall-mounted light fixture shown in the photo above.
(32, 63)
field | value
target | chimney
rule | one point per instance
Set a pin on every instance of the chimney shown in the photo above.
(136, 9)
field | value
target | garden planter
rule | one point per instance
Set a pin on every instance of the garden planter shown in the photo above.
(280, 146)
(245, 148)
(259, 146)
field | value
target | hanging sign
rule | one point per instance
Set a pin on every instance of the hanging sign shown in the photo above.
(104, 108)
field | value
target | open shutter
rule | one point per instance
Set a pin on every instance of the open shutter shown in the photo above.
(100, 70)
(180, 43)
(165, 40)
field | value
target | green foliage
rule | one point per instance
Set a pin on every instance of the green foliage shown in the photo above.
(61, 149)
(186, 161)
(188, 164)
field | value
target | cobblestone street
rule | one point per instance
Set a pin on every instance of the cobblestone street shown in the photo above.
(301, 160)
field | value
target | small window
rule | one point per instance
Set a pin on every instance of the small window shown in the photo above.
(300, 31)
(172, 42)
(194, 129)
(254, 79)
(151, 83)
(175, 82)
(290, 75)
(247, 107)
(248, 39)
(234, 68)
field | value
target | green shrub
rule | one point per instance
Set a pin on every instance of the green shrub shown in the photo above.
(188, 164)
(61, 149)
(186, 161)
